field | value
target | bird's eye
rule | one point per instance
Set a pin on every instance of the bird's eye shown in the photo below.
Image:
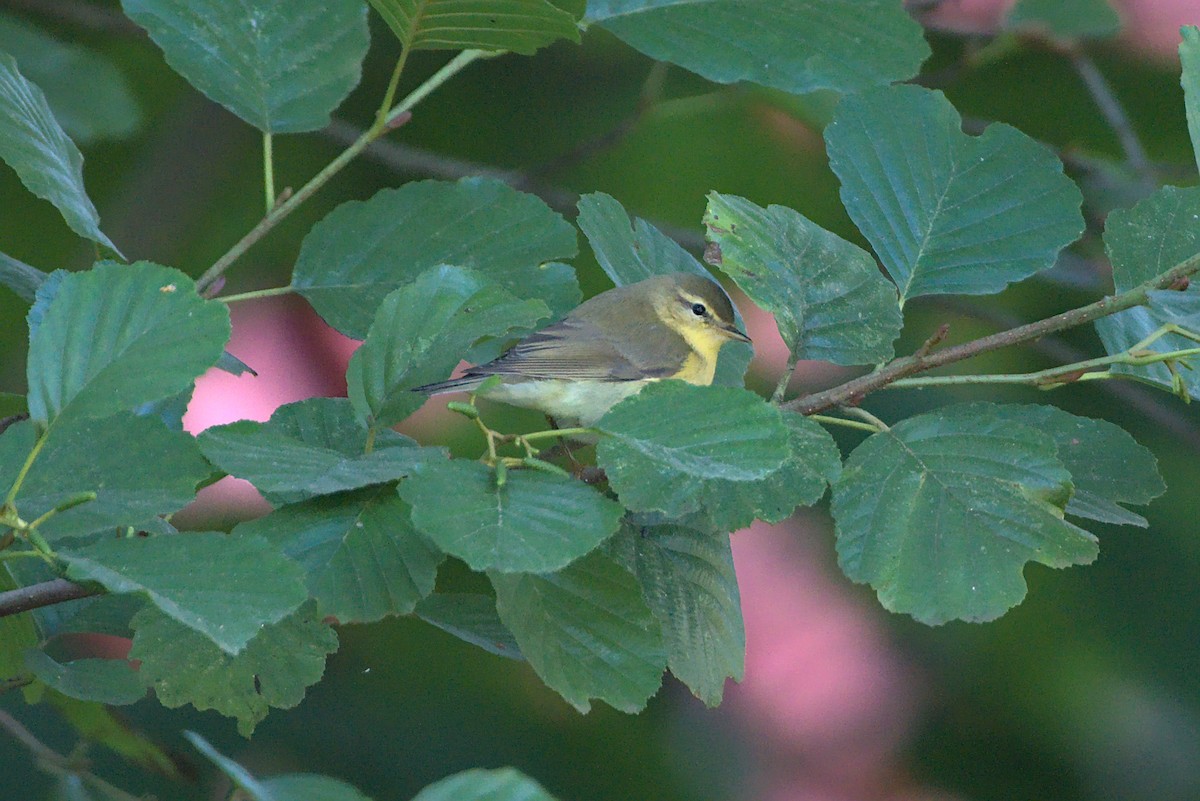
(698, 309)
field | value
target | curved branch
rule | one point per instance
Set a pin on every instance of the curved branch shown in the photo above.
(47, 593)
(852, 392)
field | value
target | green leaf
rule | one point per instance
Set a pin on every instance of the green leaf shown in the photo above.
(586, 631)
(100, 614)
(959, 214)
(312, 447)
(828, 297)
(1108, 467)
(43, 156)
(22, 279)
(135, 465)
(242, 778)
(687, 578)
(472, 618)
(118, 336)
(521, 26)
(631, 251)
(289, 787)
(361, 555)
(941, 512)
(310, 787)
(533, 523)
(502, 784)
(17, 633)
(812, 463)
(363, 250)
(1143, 242)
(1189, 56)
(797, 47)
(282, 67)
(273, 670)
(106, 681)
(675, 447)
(1152, 237)
(101, 107)
(245, 583)
(99, 724)
(1066, 19)
(421, 332)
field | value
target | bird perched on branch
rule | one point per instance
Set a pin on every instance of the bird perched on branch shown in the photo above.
(609, 347)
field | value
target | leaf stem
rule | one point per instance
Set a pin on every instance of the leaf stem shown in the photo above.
(268, 170)
(278, 213)
(560, 432)
(784, 380)
(390, 94)
(841, 421)
(257, 293)
(856, 389)
(20, 479)
(863, 414)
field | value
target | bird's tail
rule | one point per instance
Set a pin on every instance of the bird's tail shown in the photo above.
(464, 384)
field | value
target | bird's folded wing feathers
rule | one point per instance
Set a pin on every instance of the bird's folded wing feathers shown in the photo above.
(575, 350)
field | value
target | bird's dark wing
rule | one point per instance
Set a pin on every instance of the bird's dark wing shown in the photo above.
(577, 350)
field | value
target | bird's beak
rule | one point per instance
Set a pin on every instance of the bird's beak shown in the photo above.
(733, 332)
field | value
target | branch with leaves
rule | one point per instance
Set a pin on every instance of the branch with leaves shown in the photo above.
(601, 586)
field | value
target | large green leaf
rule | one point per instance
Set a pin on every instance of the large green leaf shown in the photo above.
(941, 512)
(312, 447)
(502, 784)
(472, 618)
(101, 107)
(947, 212)
(1108, 467)
(118, 336)
(1189, 56)
(420, 333)
(361, 554)
(521, 26)
(828, 297)
(586, 631)
(687, 578)
(43, 156)
(282, 67)
(1066, 19)
(135, 465)
(675, 447)
(812, 463)
(273, 670)
(795, 46)
(106, 681)
(534, 522)
(363, 250)
(1143, 242)
(224, 587)
(633, 250)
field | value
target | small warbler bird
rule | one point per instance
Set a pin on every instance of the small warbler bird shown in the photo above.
(609, 347)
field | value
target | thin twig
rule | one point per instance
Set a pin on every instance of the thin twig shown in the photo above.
(47, 593)
(56, 764)
(852, 392)
(1114, 113)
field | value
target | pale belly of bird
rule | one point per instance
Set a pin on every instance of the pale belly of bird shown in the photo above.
(570, 403)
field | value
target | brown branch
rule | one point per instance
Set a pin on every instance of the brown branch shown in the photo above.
(47, 593)
(852, 392)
